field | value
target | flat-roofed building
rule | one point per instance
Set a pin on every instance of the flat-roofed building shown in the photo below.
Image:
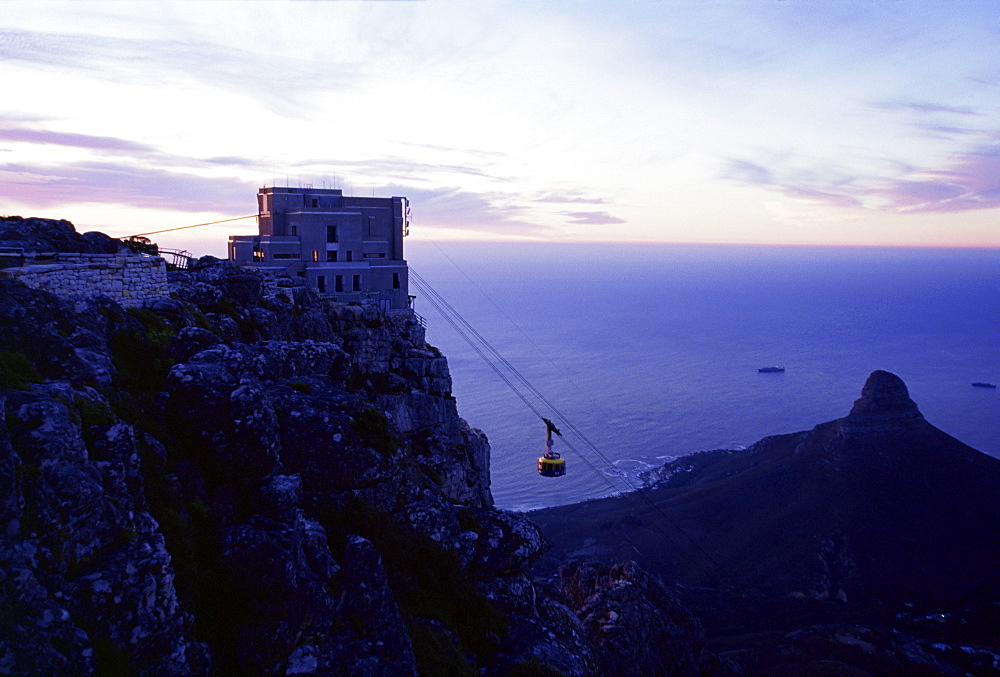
(350, 248)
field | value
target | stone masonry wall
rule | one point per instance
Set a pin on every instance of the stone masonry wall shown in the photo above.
(129, 280)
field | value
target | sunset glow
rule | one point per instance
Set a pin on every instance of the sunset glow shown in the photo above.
(821, 122)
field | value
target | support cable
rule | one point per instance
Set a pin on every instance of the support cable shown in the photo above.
(197, 225)
(468, 333)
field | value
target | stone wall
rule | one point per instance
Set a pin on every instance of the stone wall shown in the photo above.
(129, 280)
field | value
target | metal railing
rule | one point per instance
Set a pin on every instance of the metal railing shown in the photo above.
(177, 257)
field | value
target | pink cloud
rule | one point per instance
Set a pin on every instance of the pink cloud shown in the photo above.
(108, 183)
(593, 218)
(969, 181)
(825, 187)
(104, 143)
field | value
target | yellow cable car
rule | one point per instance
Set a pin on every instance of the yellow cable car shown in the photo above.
(551, 464)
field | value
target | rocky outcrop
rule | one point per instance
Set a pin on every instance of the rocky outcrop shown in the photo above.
(84, 558)
(50, 235)
(635, 625)
(884, 407)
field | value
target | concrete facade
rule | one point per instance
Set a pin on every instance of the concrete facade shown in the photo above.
(348, 248)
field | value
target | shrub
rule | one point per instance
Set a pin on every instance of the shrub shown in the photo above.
(428, 582)
(372, 427)
(158, 332)
(533, 667)
(92, 413)
(17, 371)
(141, 245)
(437, 652)
(301, 386)
(140, 356)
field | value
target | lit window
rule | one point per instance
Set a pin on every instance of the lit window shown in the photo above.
(316, 255)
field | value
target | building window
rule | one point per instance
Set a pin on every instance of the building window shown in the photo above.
(331, 255)
(315, 255)
(295, 230)
(331, 233)
(378, 255)
(295, 256)
(350, 255)
(339, 283)
(357, 283)
(315, 203)
(321, 282)
(395, 280)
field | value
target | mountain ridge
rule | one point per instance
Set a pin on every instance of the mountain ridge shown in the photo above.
(876, 520)
(880, 471)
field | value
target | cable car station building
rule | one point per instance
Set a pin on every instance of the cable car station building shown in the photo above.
(349, 248)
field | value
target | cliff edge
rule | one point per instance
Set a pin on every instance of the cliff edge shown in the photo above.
(240, 478)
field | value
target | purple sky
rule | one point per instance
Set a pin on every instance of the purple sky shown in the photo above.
(819, 122)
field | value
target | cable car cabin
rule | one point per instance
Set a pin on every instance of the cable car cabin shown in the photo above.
(551, 464)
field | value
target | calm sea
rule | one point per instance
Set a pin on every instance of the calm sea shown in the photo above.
(652, 351)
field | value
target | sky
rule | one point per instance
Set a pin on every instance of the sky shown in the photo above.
(831, 122)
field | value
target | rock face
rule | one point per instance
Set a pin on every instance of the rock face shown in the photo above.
(884, 407)
(234, 481)
(49, 235)
(636, 626)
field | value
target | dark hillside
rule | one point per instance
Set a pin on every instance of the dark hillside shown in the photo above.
(860, 518)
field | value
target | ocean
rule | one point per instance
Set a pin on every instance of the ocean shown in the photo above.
(652, 351)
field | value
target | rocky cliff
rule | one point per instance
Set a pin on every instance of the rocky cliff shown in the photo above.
(229, 482)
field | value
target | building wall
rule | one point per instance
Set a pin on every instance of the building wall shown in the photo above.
(320, 235)
(129, 280)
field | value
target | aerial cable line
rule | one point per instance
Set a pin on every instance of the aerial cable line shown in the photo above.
(547, 357)
(523, 333)
(472, 344)
(528, 385)
(440, 303)
(197, 225)
(455, 319)
(467, 332)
